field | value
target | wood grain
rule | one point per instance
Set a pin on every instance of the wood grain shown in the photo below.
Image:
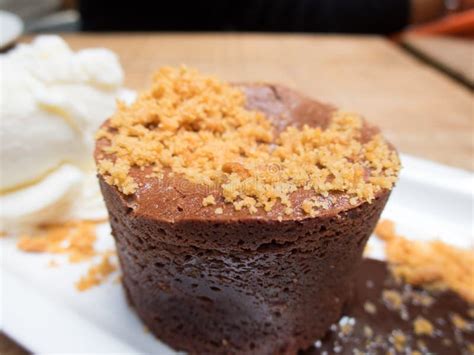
(422, 111)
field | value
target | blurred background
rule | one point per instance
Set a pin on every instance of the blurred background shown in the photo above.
(341, 16)
(449, 24)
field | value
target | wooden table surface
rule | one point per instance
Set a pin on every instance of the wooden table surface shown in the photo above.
(455, 55)
(422, 111)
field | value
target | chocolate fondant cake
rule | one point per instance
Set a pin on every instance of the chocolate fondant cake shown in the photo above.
(240, 212)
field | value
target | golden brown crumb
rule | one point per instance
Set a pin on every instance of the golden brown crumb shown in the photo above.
(209, 200)
(370, 308)
(347, 329)
(33, 244)
(198, 127)
(116, 173)
(96, 274)
(415, 352)
(353, 201)
(368, 332)
(346, 326)
(423, 299)
(218, 211)
(422, 326)
(430, 263)
(385, 230)
(75, 239)
(237, 168)
(392, 299)
(470, 348)
(398, 339)
(307, 207)
(311, 205)
(459, 322)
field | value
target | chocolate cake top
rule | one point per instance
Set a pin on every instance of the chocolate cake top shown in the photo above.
(253, 147)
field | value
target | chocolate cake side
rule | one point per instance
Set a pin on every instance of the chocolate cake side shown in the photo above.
(225, 280)
(276, 299)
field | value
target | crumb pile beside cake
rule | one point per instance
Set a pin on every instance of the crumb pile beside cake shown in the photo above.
(240, 212)
(77, 240)
(432, 264)
(199, 127)
(74, 238)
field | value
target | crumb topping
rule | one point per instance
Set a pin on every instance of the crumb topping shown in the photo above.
(392, 299)
(423, 299)
(312, 205)
(398, 339)
(459, 322)
(370, 308)
(96, 274)
(422, 326)
(346, 326)
(76, 239)
(198, 127)
(208, 200)
(368, 332)
(431, 263)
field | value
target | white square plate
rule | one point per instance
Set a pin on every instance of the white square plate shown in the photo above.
(41, 309)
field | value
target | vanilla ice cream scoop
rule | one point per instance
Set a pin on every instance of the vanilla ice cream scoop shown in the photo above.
(52, 102)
